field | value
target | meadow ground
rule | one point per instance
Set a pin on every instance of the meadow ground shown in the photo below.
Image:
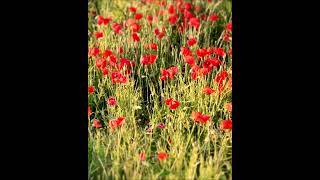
(160, 89)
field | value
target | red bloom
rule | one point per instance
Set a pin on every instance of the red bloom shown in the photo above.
(186, 51)
(132, 9)
(198, 71)
(112, 101)
(153, 46)
(116, 27)
(189, 60)
(208, 90)
(116, 122)
(161, 125)
(229, 107)
(99, 34)
(199, 117)
(230, 52)
(226, 124)
(150, 18)
(142, 156)
(173, 19)
(213, 18)
(102, 20)
(135, 37)
(138, 16)
(173, 104)
(188, 15)
(219, 51)
(96, 124)
(162, 156)
(91, 89)
(221, 76)
(94, 52)
(117, 77)
(168, 73)
(171, 9)
(187, 6)
(156, 31)
(229, 27)
(135, 27)
(89, 111)
(211, 62)
(194, 22)
(105, 71)
(201, 52)
(101, 63)
(107, 53)
(192, 41)
(148, 59)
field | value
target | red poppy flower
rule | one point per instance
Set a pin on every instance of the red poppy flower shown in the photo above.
(213, 18)
(96, 124)
(230, 52)
(132, 9)
(186, 51)
(187, 6)
(91, 89)
(89, 111)
(116, 27)
(135, 27)
(112, 60)
(102, 20)
(211, 62)
(112, 101)
(208, 90)
(168, 73)
(117, 77)
(173, 19)
(188, 15)
(201, 52)
(192, 41)
(156, 31)
(221, 76)
(229, 27)
(194, 22)
(107, 53)
(173, 104)
(150, 18)
(219, 51)
(162, 156)
(226, 124)
(116, 122)
(229, 107)
(199, 117)
(135, 37)
(105, 71)
(99, 35)
(148, 59)
(101, 63)
(153, 46)
(142, 156)
(94, 52)
(138, 16)
(171, 9)
(189, 60)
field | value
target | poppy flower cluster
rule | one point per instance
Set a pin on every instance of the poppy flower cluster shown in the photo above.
(173, 104)
(116, 122)
(168, 73)
(148, 59)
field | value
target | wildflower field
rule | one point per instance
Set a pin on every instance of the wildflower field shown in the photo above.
(160, 89)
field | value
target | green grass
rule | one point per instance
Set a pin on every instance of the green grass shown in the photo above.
(196, 151)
